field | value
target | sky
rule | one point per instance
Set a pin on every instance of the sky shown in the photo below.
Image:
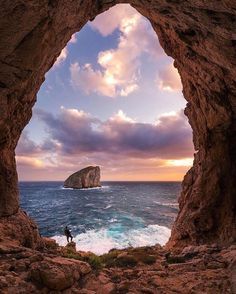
(113, 98)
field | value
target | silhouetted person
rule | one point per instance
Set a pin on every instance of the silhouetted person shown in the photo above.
(68, 234)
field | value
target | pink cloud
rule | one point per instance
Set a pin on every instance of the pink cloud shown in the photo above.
(64, 53)
(120, 70)
(107, 22)
(73, 39)
(91, 80)
(169, 79)
(76, 132)
(62, 57)
(122, 146)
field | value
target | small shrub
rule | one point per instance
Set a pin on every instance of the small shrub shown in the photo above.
(94, 260)
(109, 258)
(148, 259)
(126, 261)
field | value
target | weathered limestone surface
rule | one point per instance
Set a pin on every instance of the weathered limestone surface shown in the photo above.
(200, 35)
(195, 269)
(20, 228)
(88, 177)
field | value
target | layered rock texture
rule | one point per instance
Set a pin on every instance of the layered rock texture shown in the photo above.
(88, 177)
(200, 35)
(153, 270)
(20, 228)
(24, 270)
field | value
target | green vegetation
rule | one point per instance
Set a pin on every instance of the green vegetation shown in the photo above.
(129, 257)
(91, 258)
(94, 260)
(145, 255)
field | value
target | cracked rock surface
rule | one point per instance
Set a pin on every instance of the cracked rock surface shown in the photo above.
(152, 270)
(200, 35)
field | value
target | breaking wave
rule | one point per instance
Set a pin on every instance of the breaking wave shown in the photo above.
(86, 189)
(102, 240)
(171, 204)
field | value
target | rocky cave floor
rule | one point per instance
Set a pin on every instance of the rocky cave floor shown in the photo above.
(55, 269)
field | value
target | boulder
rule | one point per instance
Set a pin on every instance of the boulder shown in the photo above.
(88, 177)
(58, 273)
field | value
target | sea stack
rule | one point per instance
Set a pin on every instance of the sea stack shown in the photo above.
(88, 177)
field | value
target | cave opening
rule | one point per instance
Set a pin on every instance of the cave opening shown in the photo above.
(114, 99)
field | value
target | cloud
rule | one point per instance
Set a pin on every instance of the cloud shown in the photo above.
(90, 80)
(169, 79)
(27, 146)
(73, 39)
(119, 69)
(124, 148)
(62, 57)
(64, 52)
(25, 161)
(110, 20)
(77, 132)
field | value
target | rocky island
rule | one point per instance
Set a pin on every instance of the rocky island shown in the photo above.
(88, 177)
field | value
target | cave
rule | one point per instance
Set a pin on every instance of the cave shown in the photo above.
(201, 38)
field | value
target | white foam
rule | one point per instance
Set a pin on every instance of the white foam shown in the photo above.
(89, 205)
(63, 188)
(167, 203)
(112, 220)
(103, 240)
(86, 189)
(108, 206)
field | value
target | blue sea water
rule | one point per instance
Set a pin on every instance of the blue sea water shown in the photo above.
(117, 215)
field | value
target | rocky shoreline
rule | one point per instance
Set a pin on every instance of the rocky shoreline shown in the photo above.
(53, 269)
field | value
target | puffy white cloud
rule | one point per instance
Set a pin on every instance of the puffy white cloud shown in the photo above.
(64, 52)
(121, 117)
(62, 57)
(91, 80)
(120, 68)
(169, 79)
(107, 22)
(73, 39)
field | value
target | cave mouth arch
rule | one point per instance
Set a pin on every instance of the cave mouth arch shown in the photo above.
(135, 148)
(199, 37)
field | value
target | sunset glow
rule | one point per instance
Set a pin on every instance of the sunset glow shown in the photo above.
(117, 104)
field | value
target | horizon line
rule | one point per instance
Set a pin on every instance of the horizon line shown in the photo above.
(144, 181)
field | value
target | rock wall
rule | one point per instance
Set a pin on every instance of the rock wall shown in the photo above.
(21, 229)
(200, 35)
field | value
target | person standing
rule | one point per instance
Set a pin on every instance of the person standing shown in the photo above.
(68, 234)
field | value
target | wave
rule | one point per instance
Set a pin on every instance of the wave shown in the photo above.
(108, 206)
(167, 203)
(102, 240)
(89, 205)
(86, 189)
(112, 220)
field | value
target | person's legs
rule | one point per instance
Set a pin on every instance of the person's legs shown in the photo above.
(67, 237)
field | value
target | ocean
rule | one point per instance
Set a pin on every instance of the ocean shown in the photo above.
(117, 215)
